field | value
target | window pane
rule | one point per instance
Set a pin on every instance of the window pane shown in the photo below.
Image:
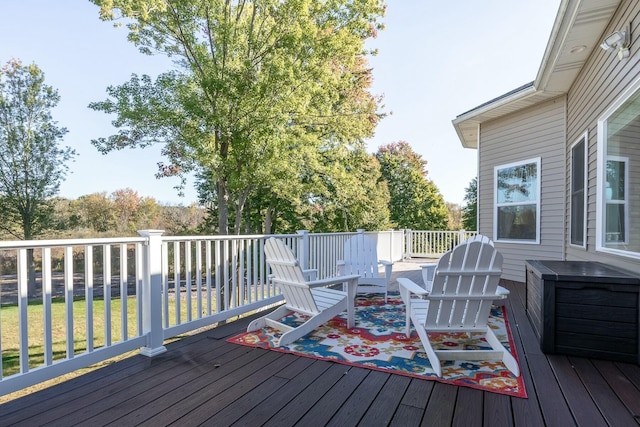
(577, 218)
(615, 223)
(577, 193)
(517, 222)
(615, 180)
(518, 184)
(577, 167)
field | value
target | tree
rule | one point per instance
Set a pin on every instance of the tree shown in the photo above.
(126, 204)
(354, 195)
(416, 202)
(32, 164)
(260, 87)
(470, 209)
(97, 212)
(455, 216)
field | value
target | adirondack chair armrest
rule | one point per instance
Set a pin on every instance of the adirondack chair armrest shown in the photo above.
(332, 280)
(502, 293)
(410, 287)
(388, 266)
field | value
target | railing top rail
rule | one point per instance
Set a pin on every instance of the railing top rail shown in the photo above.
(352, 233)
(225, 237)
(18, 244)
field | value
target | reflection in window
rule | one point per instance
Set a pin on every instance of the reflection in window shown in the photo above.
(615, 201)
(517, 188)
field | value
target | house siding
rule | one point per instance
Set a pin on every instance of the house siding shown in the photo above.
(602, 81)
(535, 132)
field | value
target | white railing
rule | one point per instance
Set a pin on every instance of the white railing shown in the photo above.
(433, 243)
(93, 299)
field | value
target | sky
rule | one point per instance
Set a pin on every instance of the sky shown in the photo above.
(435, 60)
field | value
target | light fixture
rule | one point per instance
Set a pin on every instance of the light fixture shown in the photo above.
(618, 41)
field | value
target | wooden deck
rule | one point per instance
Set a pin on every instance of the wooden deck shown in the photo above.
(202, 379)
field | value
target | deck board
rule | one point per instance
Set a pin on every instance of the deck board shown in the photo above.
(204, 379)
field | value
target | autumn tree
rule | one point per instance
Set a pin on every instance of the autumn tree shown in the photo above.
(260, 86)
(416, 202)
(470, 209)
(96, 212)
(148, 214)
(32, 162)
(126, 205)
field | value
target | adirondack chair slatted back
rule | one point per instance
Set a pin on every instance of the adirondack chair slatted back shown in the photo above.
(361, 256)
(288, 276)
(465, 282)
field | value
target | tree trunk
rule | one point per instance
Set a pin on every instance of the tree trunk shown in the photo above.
(223, 208)
(239, 209)
(31, 266)
(31, 275)
(268, 220)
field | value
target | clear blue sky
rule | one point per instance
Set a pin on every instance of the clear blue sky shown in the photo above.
(436, 60)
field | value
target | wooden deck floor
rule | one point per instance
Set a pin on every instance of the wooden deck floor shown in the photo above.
(202, 379)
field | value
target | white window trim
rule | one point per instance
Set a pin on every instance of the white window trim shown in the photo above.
(537, 161)
(601, 168)
(585, 138)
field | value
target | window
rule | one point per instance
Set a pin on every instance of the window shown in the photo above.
(616, 200)
(618, 208)
(578, 199)
(517, 199)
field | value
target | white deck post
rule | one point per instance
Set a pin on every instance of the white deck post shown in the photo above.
(152, 293)
(303, 249)
(408, 242)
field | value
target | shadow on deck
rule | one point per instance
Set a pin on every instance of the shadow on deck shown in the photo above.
(202, 379)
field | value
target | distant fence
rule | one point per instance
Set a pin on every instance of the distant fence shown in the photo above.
(67, 304)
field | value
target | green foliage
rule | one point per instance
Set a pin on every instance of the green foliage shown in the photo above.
(354, 196)
(32, 164)
(470, 210)
(259, 89)
(416, 202)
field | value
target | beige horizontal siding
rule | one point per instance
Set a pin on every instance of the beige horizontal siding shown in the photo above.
(535, 132)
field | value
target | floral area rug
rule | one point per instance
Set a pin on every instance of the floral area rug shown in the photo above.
(378, 342)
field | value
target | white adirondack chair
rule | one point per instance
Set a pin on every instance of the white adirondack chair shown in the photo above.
(464, 286)
(361, 258)
(310, 298)
(428, 269)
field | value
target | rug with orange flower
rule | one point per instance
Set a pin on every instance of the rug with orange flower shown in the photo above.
(378, 342)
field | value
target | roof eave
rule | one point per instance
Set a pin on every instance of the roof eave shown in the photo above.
(554, 76)
(472, 119)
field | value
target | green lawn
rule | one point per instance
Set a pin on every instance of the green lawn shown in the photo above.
(10, 331)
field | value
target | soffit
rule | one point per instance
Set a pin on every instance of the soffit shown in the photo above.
(578, 24)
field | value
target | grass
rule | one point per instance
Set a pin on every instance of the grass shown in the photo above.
(35, 315)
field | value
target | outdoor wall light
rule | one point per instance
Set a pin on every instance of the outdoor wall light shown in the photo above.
(618, 41)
